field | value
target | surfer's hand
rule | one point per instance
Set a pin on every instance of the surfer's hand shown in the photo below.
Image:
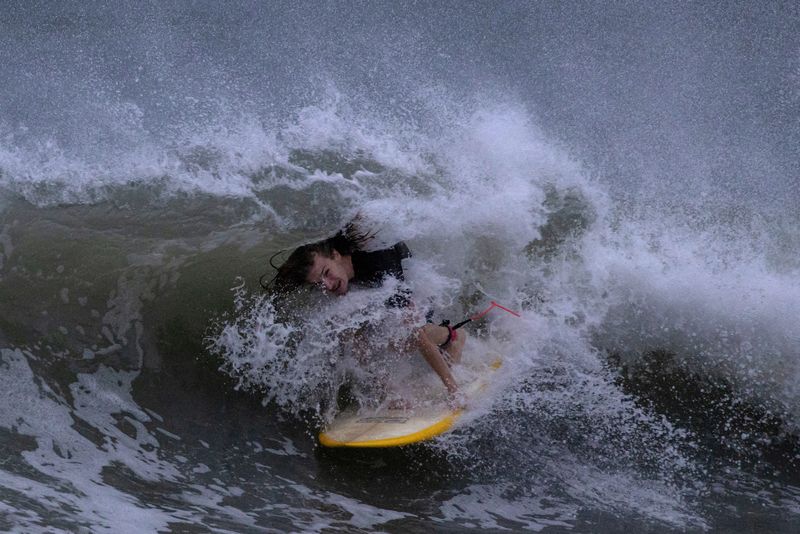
(456, 400)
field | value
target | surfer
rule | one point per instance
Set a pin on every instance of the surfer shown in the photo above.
(336, 263)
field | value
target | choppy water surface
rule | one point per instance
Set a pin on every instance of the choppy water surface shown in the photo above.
(624, 176)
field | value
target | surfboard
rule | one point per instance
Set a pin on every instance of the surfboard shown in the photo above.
(386, 427)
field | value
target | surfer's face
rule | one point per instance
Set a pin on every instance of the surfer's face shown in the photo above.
(331, 273)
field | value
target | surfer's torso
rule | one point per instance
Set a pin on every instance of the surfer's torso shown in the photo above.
(372, 268)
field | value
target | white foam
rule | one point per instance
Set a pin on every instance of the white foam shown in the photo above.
(69, 458)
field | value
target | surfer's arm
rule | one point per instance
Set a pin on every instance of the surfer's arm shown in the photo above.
(430, 351)
(429, 340)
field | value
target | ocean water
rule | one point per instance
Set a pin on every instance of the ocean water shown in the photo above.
(624, 175)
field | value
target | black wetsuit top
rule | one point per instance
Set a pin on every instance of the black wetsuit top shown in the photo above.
(372, 268)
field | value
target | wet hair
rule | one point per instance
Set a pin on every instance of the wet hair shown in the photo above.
(293, 273)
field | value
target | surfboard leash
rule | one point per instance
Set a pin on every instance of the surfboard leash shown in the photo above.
(451, 330)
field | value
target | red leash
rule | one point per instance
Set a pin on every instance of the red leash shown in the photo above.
(484, 312)
(487, 310)
(451, 330)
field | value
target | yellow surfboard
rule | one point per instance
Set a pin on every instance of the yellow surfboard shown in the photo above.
(385, 427)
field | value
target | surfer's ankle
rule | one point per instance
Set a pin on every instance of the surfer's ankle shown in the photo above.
(449, 335)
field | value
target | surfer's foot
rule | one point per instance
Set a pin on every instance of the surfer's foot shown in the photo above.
(457, 400)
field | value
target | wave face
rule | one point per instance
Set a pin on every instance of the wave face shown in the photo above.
(626, 177)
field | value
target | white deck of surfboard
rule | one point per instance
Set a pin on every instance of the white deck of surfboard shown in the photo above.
(385, 427)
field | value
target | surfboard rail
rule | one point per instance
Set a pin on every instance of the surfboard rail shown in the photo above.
(432, 431)
(385, 428)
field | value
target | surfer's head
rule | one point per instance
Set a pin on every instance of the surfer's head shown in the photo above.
(332, 273)
(316, 263)
(326, 263)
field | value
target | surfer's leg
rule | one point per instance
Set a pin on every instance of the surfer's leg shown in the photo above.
(436, 334)
(455, 347)
(452, 350)
(436, 359)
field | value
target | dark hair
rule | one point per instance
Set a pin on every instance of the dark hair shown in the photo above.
(294, 271)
